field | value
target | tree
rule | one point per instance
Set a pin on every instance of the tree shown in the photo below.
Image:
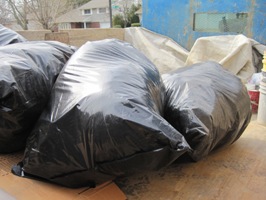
(118, 20)
(127, 13)
(132, 17)
(124, 7)
(19, 9)
(43, 12)
(4, 13)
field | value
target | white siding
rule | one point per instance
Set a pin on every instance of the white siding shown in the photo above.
(105, 25)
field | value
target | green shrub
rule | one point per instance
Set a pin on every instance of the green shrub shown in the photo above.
(135, 19)
(117, 26)
(135, 25)
(118, 20)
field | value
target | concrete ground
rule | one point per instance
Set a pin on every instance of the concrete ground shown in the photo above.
(234, 172)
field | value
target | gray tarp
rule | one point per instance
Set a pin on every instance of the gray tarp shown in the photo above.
(233, 52)
(236, 53)
(166, 54)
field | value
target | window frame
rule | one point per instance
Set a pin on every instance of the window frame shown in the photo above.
(98, 11)
(210, 27)
(84, 11)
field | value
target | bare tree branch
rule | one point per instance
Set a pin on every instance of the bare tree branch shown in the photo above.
(124, 6)
(19, 11)
(46, 11)
(43, 12)
(4, 13)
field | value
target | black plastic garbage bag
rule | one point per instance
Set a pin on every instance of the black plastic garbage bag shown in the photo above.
(8, 36)
(103, 119)
(28, 71)
(206, 104)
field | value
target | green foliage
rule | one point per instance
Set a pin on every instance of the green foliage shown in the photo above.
(130, 18)
(117, 26)
(118, 20)
(135, 25)
(135, 19)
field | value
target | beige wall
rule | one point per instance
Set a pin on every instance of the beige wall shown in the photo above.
(34, 35)
(76, 37)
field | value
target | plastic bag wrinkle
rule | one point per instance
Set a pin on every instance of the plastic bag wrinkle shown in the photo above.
(8, 36)
(28, 72)
(208, 105)
(104, 114)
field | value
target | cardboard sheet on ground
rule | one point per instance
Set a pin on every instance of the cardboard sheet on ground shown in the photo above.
(13, 187)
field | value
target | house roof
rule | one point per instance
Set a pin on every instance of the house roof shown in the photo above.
(76, 15)
(95, 4)
(71, 16)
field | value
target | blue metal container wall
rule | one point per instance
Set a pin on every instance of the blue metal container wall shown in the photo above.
(259, 21)
(174, 18)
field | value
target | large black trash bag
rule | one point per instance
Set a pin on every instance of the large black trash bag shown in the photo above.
(8, 36)
(103, 119)
(206, 104)
(28, 71)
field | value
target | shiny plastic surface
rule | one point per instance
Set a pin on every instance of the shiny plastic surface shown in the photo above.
(208, 105)
(28, 71)
(103, 119)
(8, 36)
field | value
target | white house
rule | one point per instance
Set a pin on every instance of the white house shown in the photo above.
(94, 14)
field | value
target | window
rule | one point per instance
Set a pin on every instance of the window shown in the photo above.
(64, 26)
(87, 12)
(101, 10)
(220, 22)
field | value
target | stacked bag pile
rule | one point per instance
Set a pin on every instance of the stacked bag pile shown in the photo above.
(104, 119)
(110, 113)
(208, 105)
(28, 71)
